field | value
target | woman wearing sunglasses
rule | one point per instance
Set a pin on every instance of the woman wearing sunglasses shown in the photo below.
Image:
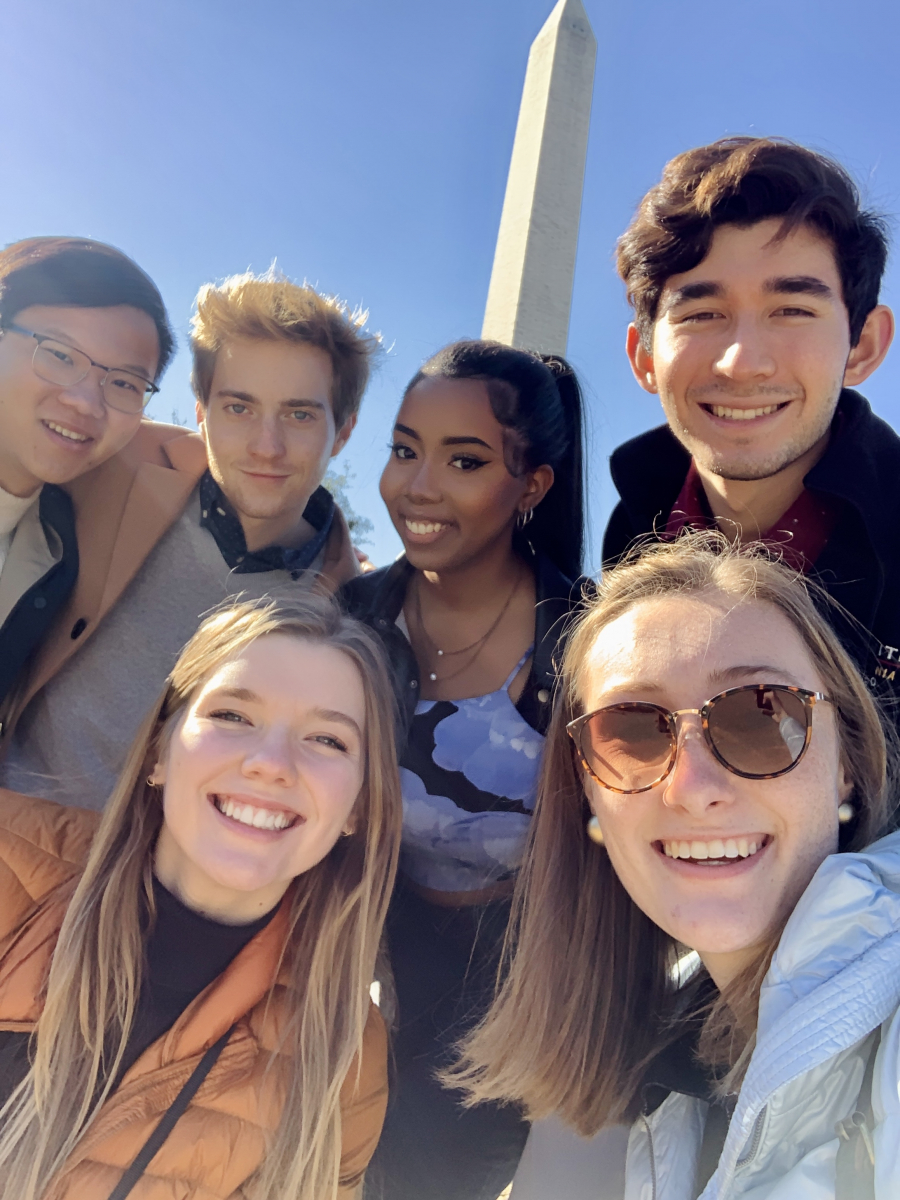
(708, 928)
(184, 991)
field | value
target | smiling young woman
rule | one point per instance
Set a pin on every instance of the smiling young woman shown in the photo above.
(715, 779)
(484, 486)
(224, 917)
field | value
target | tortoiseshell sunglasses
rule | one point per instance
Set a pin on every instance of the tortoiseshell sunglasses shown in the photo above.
(758, 731)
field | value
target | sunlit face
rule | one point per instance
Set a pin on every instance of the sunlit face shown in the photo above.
(679, 652)
(261, 775)
(446, 485)
(269, 426)
(750, 349)
(52, 434)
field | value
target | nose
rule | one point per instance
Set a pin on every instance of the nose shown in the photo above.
(747, 355)
(85, 397)
(423, 488)
(268, 438)
(697, 782)
(271, 759)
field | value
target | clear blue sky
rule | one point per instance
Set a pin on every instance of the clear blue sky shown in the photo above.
(365, 147)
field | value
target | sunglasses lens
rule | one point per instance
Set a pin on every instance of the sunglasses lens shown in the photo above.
(627, 746)
(759, 731)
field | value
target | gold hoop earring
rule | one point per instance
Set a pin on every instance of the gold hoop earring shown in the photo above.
(151, 781)
(594, 832)
(846, 813)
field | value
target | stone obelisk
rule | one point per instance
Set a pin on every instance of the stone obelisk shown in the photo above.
(530, 294)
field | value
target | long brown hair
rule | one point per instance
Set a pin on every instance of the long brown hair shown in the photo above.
(337, 914)
(588, 997)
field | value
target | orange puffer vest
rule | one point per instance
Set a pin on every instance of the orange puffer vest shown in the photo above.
(220, 1140)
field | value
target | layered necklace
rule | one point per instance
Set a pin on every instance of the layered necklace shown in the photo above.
(473, 649)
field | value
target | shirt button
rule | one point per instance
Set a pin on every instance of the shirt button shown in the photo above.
(414, 683)
(40, 602)
(543, 695)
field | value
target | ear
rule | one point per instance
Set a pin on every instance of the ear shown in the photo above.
(200, 413)
(641, 360)
(844, 784)
(538, 484)
(342, 437)
(874, 342)
(157, 776)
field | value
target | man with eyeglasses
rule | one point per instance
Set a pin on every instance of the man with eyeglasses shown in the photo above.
(86, 487)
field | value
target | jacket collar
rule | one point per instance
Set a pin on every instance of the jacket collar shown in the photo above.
(859, 467)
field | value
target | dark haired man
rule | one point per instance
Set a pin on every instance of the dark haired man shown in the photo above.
(84, 338)
(754, 276)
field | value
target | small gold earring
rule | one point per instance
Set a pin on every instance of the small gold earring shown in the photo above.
(594, 832)
(151, 781)
(846, 813)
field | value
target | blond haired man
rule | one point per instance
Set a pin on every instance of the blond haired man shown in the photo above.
(279, 374)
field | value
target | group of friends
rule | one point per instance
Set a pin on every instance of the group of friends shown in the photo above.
(321, 882)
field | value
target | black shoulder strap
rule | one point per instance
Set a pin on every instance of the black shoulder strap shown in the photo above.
(170, 1117)
(855, 1165)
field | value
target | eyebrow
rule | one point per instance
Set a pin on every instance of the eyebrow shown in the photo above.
(249, 398)
(804, 285)
(738, 672)
(54, 331)
(467, 440)
(702, 290)
(326, 714)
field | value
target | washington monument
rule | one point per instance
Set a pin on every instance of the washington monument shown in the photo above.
(530, 294)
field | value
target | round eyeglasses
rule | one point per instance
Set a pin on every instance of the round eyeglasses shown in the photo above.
(758, 731)
(55, 362)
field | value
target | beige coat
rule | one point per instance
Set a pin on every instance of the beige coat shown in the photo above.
(122, 509)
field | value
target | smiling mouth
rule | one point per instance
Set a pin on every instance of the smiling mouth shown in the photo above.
(724, 412)
(256, 818)
(716, 852)
(67, 433)
(422, 528)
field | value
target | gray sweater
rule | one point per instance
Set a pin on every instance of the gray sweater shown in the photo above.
(74, 736)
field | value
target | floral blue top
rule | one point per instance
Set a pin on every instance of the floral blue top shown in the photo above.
(469, 779)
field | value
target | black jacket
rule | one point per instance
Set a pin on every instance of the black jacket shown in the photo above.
(377, 598)
(860, 565)
(36, 608)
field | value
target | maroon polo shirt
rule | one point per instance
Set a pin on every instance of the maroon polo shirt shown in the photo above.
(800, 534)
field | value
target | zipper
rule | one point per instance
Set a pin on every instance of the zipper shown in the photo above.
(755, 1139)
(652, 1156)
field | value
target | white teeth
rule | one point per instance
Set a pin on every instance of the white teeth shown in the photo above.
(717, 849)
(422, 527)
(741, 414)
(67, 433)
(259, 818)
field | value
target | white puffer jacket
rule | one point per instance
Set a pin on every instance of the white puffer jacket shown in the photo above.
(834, 979)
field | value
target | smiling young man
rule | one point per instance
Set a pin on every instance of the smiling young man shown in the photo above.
(83, 339)
(754, 275)
(279, 373)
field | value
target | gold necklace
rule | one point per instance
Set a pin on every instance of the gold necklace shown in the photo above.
(477, 645)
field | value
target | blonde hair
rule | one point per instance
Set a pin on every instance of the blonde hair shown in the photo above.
(270, 307)
(589, 998)
(337, 913)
